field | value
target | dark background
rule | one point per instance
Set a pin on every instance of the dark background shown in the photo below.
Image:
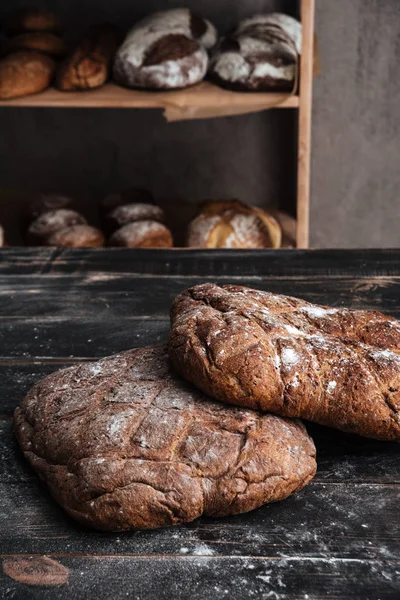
(356, 142)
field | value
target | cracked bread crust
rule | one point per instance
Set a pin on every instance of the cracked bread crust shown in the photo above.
(337, 367)
(124, 443)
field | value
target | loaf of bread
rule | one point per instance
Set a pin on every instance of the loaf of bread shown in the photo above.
(40, 41)
(45, 203)
(167, 50)
(232, 224)
(25, 73)
(76, 236)
(123, 443)
(1, 236)
(47, 223)
(130, 213)
(128, 196)
(337, 367)
(260, 55)
(142, 234)
(89, 65)
(33, 19)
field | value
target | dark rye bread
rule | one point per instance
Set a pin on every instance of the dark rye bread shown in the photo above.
(166, 50)
(124, 443)
(337, 367)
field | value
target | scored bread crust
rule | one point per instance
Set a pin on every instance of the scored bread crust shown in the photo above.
(233, 224)
(337, 367)
(124, 443)
(166, 50)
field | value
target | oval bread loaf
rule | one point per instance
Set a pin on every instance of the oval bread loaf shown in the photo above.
(124, 443)
(76, 236)
(337, 367)
(142, 234)
(25, 73)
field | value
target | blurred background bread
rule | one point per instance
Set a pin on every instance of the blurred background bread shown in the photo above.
(89, 65)
(33, 19)
(233, 224)
(25, 72)
(142, 234)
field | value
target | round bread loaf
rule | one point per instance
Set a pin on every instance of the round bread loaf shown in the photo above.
(49, 222)
(260, 55)
(279, 354)
(33, 19)
(25, 72)
(41, 41)
(44, 203)
(124, 443)
(76, 236)
(142, 234)
(128, 196)
(167, 50)
(130, 213)
(232, 224)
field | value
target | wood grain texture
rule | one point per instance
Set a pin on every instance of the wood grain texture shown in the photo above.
(204, 96)
(338, 538)
(108, 263)
(304, 126)
(199, 577)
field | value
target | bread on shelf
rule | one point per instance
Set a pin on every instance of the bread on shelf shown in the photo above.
(77, 236)
(233, 224)
(142, 234)
(89, 65)
(166, 50)
(130, 213)
(25, 72)
(40, 41)
(33, 19)
(260, 55)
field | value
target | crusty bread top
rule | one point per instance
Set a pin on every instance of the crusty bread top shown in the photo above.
(125, 443)
(233, 224)
(335, 366)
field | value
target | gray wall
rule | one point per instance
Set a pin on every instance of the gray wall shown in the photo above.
(356, 164)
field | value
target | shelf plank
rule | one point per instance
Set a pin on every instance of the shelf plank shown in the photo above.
(201, 100)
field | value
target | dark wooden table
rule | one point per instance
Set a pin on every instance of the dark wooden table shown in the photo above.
(338, 538)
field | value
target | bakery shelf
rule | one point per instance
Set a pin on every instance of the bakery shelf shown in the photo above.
(204, 96)
(207, 100)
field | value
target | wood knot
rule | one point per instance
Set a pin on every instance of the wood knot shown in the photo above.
(36, 570)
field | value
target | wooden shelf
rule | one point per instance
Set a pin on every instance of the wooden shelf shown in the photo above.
(203, 97)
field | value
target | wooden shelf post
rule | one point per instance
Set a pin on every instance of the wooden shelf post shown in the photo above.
(305, 118)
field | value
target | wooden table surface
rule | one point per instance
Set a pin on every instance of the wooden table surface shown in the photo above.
(338, 538)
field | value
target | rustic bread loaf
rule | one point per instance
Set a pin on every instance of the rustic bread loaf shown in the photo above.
(25, 73)
(124, 443)
(33, 19)
(40, 230)
(41, 41)
(260, 55)
(167, 50)
(337, 367)
(76, 236)
(44, 203)
(89, 65)
(130, 213)
(142, 234)
(232, 224)
(128, 196)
